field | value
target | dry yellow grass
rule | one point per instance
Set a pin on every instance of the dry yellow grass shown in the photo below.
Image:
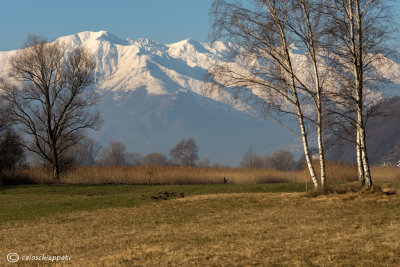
(221, 230)
(386, 173)
(168, 175)
(336, 172)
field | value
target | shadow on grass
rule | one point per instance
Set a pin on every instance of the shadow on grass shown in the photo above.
(334, 189)
(13, 179)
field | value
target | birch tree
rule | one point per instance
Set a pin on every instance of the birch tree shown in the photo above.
(264, 31)
(50, 95)
(359, 31)
(307, 20)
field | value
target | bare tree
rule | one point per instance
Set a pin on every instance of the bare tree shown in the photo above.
(306, 22)
(154, 159)
(360, 32)
(50, 95)
(185, 153)
(251, 160)
(204, 163)
(134, 159)
(268, 74)
(113, 155)
(280, 160)
(85, 152)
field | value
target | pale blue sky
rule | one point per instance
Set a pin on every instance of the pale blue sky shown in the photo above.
(166, 21)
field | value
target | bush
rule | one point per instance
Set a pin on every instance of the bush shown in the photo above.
(154, 159)
(12, 154)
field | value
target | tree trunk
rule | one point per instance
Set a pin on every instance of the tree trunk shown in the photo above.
(56, 173)
(321, 156)
(362, 158)
(55, 165)
(358, 92)
(318, 90)
(298, 108)
(365, 161)
(319, 124)
(306, 149)
(359, 75)
(361, 176)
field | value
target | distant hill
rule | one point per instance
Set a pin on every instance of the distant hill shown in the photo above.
(383, 138)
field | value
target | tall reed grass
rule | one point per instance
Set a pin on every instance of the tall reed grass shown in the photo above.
(336, 172)
(166, 175)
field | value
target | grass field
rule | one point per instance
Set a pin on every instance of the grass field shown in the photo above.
(200, 225)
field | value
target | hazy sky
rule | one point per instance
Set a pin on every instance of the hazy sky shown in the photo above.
(166, 21)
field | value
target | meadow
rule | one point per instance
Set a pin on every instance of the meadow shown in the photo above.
(206, 224)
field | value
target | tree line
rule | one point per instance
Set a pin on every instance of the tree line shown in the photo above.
(184, 154)
(330, 89)
(281, 160)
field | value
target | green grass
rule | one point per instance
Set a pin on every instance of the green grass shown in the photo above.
(35, 201)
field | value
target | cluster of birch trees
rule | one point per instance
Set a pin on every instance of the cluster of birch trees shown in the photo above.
(316, 60)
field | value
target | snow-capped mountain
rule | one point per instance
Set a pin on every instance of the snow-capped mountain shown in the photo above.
(152, 97)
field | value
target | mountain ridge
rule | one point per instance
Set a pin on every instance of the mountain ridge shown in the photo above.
(152, 97)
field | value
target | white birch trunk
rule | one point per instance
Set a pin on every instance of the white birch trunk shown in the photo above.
(321, 156)
(360, 167)
(306, 149)
(364, 156)
(359, 74)
(318, 91)
(319, 124)
(297, 104)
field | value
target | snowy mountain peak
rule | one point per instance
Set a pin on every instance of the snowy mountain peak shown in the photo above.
(189, 44)
(89, 38)
(125, 65)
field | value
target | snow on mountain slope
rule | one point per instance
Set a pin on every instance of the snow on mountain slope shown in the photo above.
(151, 98)
(125, 65)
